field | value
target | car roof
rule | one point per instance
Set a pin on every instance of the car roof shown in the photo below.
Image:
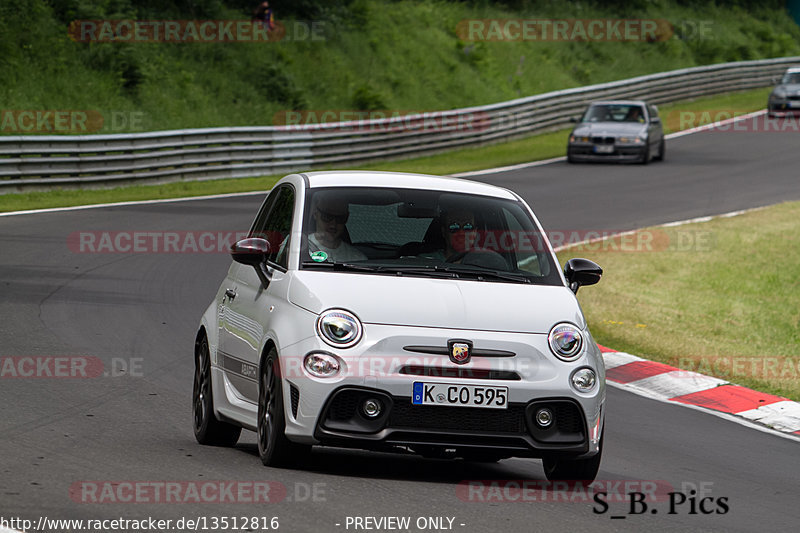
(620, 102)
(405, 180)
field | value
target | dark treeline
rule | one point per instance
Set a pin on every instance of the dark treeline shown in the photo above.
(67, 10)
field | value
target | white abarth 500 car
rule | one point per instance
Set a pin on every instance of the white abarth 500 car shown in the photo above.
(401, 312)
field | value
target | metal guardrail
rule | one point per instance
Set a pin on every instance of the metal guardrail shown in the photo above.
(44, 162)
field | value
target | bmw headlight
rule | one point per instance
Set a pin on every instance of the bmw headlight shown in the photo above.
(579, 138)
(631, 140)
(566, 341)
(339, 328)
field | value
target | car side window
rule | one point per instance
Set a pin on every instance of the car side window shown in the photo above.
(275, 224)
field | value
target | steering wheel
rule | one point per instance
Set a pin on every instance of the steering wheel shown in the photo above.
(458, 256)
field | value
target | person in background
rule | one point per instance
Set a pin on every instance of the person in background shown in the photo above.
(263, 14)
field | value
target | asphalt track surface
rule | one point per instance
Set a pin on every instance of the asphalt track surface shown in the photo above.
(140, 312)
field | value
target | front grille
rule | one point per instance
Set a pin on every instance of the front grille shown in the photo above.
(603, 140)
(407, 415)
(459, 372)
(295, 394)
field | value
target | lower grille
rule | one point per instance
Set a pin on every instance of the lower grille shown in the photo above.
(567, 417)
(407, 415)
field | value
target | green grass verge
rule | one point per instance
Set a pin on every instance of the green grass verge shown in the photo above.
(532, 148)
(717, 297)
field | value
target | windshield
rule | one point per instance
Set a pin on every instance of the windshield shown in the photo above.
(791, 77)
(424, 233)
(614, 113)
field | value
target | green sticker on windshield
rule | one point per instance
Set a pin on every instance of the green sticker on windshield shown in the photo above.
(319, 256)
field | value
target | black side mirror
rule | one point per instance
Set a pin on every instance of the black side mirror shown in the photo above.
(254, 252)
(573, 119)
(581, 272)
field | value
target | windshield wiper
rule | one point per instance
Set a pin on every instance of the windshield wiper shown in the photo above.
(439, 271)
(419, 270)
(494, 274)
(340, 266)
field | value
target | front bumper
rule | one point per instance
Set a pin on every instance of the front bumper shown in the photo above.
(784, 106)
(621, 153)
(379, 365)
(512, 432)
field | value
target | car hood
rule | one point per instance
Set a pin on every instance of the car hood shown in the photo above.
(615, 129)
(792, 89)
(441, 303)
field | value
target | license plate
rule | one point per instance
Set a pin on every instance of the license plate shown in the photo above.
(603, 148)
(794, 103)
(454, 395)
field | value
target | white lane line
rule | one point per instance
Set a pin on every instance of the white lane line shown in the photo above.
(665, 225)
(496, 170)
(509, 168)
(716, 124)
(133, 202)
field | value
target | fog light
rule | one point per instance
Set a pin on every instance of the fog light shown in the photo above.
(544, 417)
(584, 379)
(321, 365)
(372, 408)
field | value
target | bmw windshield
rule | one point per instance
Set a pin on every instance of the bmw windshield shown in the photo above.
(424, 233)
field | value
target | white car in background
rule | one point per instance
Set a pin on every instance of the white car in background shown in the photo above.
(401, 312)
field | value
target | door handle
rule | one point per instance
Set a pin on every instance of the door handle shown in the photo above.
(230, 293)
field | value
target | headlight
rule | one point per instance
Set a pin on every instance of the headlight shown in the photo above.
(584, 379)
(339, 328)
(321, 365)
(579, 138)
(565, 341)
(631, 140)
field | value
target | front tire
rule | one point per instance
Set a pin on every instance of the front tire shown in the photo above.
(662, 151)
(574, 469)
(208, 429)
(273, 446)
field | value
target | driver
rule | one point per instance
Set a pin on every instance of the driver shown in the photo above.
(458, 232)
(327, 242)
